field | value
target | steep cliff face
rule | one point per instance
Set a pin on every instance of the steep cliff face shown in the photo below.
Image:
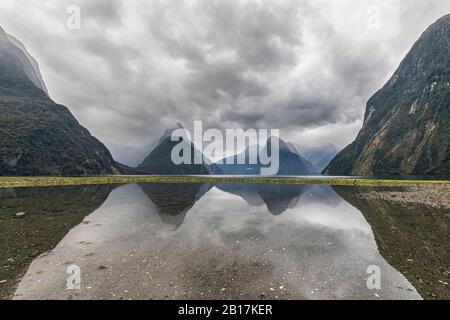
(407, 123)
(30, 65)
(38, 136)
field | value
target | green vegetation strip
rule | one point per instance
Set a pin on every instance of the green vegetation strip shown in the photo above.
(18, 182)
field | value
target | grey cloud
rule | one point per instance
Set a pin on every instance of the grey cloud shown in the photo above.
(136, 68)
(105, 13)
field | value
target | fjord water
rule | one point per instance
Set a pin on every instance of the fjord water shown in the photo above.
(191, 241)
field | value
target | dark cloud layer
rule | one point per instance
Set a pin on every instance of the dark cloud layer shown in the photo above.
(136, 68)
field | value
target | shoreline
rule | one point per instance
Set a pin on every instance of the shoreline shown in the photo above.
(436, 196)
(21, 182)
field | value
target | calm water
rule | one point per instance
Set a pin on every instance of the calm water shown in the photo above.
(176, 241)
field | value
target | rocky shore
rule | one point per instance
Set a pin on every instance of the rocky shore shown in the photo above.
(411, 226)
(433, 195)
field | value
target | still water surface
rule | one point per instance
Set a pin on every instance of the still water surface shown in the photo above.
(191, 241)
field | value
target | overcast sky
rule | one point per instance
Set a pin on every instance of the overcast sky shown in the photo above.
(136, 68)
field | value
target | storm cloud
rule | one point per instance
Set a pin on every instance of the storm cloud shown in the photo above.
(136, 68)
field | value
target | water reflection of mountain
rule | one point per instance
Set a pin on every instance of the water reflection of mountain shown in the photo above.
(172, 200)
(321, 194)
(224, 242)
(277, 197)
(49, 214)
(280, 197)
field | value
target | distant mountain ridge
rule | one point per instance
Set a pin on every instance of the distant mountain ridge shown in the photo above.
(159, 161)
(407, 123)
(291, 162)
(38, 136)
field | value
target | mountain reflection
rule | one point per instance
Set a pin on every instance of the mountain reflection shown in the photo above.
(173, 201)
(315, 223)
(315, 250)
(279, 197)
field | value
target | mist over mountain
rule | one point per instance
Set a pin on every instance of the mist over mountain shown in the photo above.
(407, 123)
(38, 136)
(30, 65)
(320, 156)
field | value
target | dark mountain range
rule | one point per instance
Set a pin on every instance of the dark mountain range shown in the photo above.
(159, 161)
(38, 136)
(291, 162)
(407, 123)
(239, 169)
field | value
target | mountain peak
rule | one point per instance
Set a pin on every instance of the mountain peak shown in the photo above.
(283, 146)
(159, 160)
(40, 137)
(168, 132)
